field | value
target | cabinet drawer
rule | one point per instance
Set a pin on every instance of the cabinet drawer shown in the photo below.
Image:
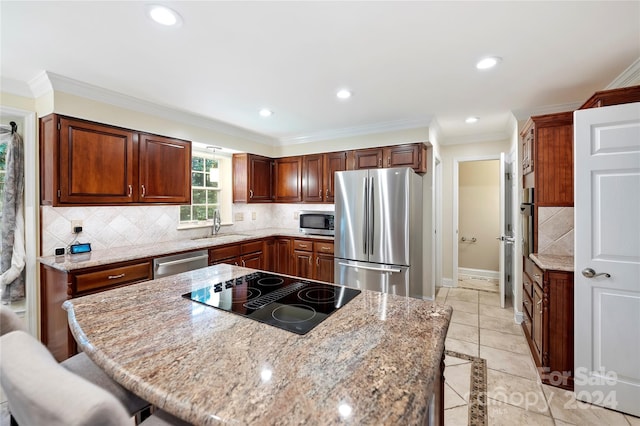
(251, 247)
(323, 247)
(223, 252)
(527, 285)
(302, 245)
(112, 277)
(527, 303)
(526, 323)
(534, 272)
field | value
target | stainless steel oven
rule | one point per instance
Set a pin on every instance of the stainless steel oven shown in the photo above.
(527, 209)
(317, 222)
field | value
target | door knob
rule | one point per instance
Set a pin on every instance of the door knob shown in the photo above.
(590, 273)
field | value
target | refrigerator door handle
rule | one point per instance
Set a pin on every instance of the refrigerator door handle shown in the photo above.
(372, 217)
(365, 223)
(369, 268)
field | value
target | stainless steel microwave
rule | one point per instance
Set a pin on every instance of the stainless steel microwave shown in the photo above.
(317, 222)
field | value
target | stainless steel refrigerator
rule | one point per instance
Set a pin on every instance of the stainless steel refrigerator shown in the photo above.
(378, 230)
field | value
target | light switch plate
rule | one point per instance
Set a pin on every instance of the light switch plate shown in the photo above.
(253, 215)
(238, 217)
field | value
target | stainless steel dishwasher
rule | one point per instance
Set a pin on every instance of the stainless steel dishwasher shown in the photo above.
(171, 265)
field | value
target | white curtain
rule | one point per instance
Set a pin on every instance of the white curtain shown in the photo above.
(12, 257)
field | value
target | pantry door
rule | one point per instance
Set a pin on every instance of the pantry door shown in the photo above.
(607, 257)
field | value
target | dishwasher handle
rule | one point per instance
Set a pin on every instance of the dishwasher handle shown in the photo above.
(179, 261)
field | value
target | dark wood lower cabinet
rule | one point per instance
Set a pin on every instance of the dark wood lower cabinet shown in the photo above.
(548, 323)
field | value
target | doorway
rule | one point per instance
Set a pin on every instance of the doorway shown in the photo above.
(478, 224)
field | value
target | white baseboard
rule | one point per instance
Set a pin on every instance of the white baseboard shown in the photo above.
(518, 317)
(479, 273)
(448, 282)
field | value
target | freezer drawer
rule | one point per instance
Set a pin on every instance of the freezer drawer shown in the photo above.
(372, 276)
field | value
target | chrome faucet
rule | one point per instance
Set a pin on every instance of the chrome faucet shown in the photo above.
(216, 221)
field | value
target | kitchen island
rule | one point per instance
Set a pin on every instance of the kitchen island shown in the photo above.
(376, 360)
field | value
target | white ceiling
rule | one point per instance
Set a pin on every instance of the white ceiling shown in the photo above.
(407, 63)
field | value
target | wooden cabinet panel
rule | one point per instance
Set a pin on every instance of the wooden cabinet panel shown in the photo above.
(252, 178)
(547, 158)
(251, 247)
(90, 282)
(218, 253)
(537, 321)
(288, 178)
(87, 163)
(283, 257)
(324, 267)
(253, 260)
(333, 162)
(163, 176)
(97, 163)
(623, 95)
(370, 158)
(304, 245)
(302, 263)
(408, 155)
(312, 178)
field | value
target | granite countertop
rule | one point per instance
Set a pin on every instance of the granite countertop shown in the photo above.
(373, 361)
(123, 254)
(551, 262)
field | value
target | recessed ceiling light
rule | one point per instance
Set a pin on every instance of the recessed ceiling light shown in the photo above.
(264, 112)
(343, 94)
(471, 120)
(163, 15)
(487, 63)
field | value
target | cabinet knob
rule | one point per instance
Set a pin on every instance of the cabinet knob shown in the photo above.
(144, 191)
(130, 190)
(327, 192)
(320, 193)
(379, 162)
(388, 161)
(317, 261)
(251, 193)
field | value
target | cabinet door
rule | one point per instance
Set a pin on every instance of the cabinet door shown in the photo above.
(97, 163)
(283, 256)
(303, 264)
(527, 151)
(260, 179)
(324, 267)
(537, 321)
(288, 179)
(405, 156)
(553, 148)
(367, 158)
(253, 260)
(333, 162)
(312, 182)
(165, 170)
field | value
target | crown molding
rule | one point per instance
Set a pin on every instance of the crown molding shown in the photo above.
(525, 113)
(628, 77)
(466, 139)
(367, 129)
(40, 85)
(68, 85)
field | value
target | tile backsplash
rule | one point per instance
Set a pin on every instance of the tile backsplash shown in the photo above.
(108, 227)
(555, 231)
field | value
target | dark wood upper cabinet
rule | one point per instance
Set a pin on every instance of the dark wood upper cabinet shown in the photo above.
(409, 155)
(312, 178)
(333, 162)
(548, 141)
(87, 163)
(162, 177)
(623, 95)
(370, 158)
(318, 176)
(252, 178)
(288, 179)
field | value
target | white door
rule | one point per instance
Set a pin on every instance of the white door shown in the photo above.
(607, 257)
(506, 228)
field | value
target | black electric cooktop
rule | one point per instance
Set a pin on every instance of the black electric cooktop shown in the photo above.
(292, 304)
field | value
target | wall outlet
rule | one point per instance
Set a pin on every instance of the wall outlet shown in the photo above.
(74, 224)
(253, 215)
(296, 215)
(238, 217)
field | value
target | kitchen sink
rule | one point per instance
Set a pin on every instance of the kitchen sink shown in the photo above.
(214, 237)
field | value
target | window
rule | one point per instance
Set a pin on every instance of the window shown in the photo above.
(208, 195)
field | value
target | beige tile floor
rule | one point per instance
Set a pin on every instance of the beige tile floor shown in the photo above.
(515, 395)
